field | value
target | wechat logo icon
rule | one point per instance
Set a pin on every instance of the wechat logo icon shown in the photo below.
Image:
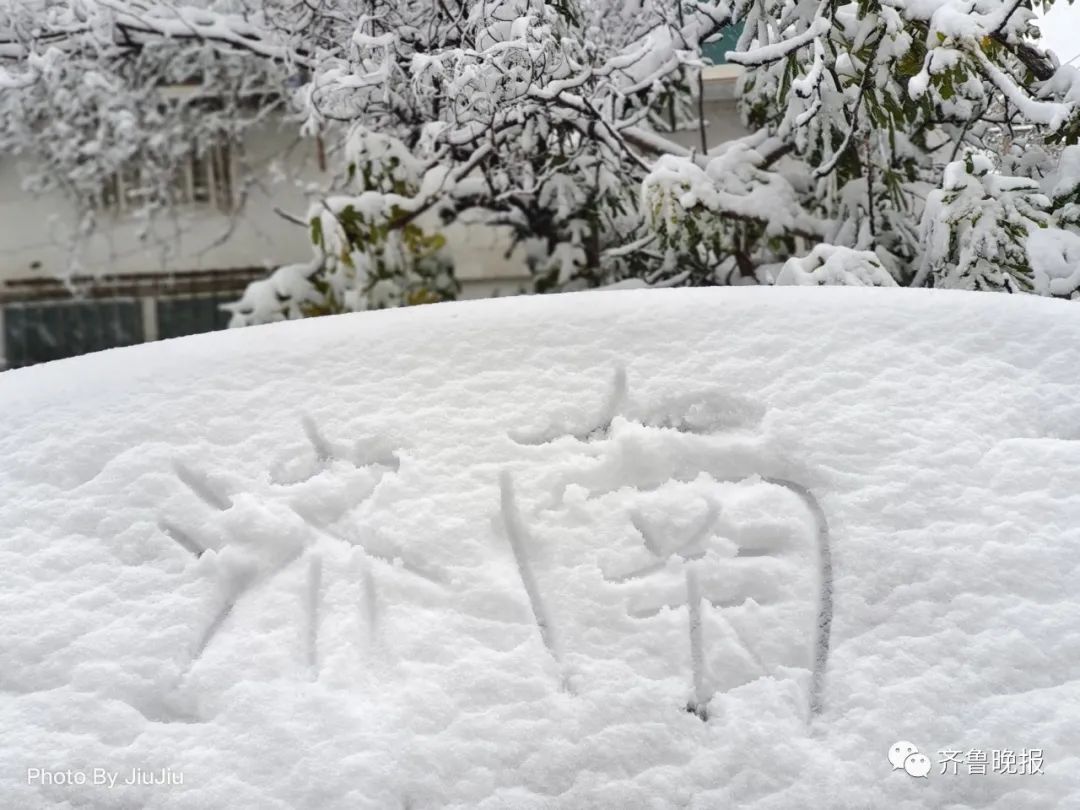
(906, 755)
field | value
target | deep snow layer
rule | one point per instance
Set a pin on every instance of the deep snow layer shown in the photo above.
(638, 549)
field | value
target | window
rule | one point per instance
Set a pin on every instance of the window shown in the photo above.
(204, 179)
(207, 179)
(39, 331)
(46, 319)
(177, 317)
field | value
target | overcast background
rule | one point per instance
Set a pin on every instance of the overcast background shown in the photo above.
(1061, 31)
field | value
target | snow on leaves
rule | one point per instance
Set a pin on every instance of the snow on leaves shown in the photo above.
(533, 115)
(548, 119)
(830, 264)
(857, 109)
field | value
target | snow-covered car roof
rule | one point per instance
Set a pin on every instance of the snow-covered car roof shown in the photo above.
(700, 548)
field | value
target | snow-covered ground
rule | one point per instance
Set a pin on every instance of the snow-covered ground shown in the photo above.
(640, 549)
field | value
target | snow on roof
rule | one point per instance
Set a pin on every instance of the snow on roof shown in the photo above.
(694, 548)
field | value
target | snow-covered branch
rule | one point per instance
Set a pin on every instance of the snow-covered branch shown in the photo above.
(551, 119)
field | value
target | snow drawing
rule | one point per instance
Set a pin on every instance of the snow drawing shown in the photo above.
(725, 570)
(255, 558)
(702, 547)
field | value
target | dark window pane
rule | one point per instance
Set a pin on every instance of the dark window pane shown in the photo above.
(189, 316)
(41, 331)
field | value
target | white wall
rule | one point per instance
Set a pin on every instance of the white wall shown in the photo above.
(36, 231)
